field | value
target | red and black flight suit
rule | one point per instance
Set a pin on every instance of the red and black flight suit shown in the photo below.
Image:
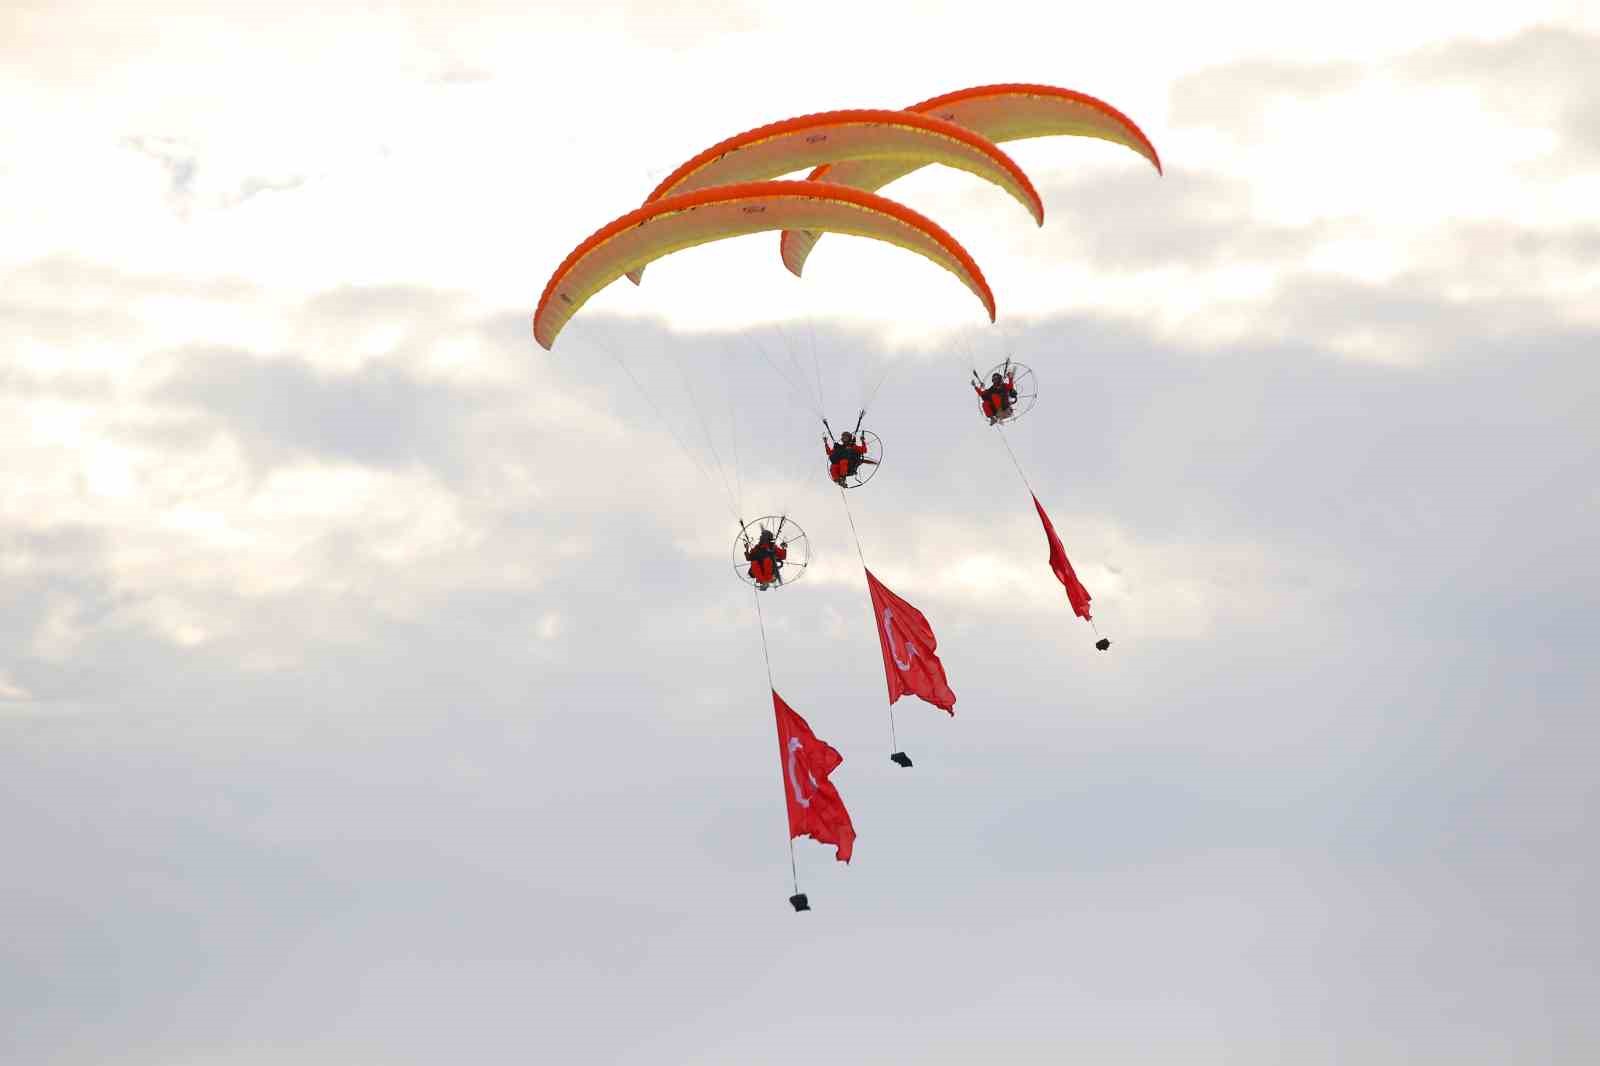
(996, 398)
(765, 558)
(844, 459)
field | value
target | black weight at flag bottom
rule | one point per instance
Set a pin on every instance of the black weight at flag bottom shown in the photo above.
(799, 902)
(1103, 643)
(900, 758)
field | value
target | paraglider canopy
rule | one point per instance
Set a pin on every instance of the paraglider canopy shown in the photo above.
(694, 218)
(900, 137)
(1008, 112)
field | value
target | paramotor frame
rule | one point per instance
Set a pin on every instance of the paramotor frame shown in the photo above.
(1026, 384)
(787, 534)
(869, 462)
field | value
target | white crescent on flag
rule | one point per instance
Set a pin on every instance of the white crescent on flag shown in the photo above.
(794, 780)
(888, 635)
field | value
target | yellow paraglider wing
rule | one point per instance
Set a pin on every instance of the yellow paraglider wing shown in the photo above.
(693, 218)
(998, 112)
(905, 140)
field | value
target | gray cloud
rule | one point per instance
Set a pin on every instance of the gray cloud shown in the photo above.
(1190, 219)
(378, 416)
(1202, 221)
(255, 186)
(182, 164)
(1235, 96)
(1543, 75)
(179, 163)
(511, 796)
(61, 284)
(437, 831)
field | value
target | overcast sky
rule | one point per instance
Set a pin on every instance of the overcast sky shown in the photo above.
(374, 687)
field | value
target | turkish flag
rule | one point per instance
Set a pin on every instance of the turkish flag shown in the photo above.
(1077, 595)
(908, 643)
(815, 809)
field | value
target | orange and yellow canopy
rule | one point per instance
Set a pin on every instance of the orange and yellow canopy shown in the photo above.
(902, 140)
(688, 219)
(1007, 112)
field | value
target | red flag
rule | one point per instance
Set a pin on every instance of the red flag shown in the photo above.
(815, 809)
(1077, 595)
(908, 643)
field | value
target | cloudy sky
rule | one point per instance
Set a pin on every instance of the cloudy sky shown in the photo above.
(373, 684)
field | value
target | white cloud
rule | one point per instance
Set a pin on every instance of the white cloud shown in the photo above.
(392, 629)
(10, 690)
